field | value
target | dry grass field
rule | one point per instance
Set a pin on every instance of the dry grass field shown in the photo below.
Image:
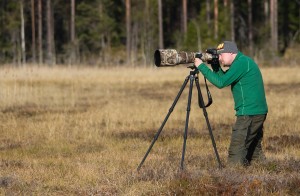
(83, 131)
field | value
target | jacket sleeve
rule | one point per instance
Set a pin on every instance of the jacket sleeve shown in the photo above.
(222, 79)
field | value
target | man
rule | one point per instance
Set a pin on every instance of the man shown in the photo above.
(248, 92)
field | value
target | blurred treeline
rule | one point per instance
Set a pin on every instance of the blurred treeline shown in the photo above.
(127, 32)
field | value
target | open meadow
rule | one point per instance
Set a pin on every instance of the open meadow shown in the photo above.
(84, 131)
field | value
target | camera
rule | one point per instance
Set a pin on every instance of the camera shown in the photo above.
(170, 57)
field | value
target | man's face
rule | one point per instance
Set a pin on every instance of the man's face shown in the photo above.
(226, 59)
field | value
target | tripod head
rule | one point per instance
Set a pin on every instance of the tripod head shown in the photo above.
(194, 69)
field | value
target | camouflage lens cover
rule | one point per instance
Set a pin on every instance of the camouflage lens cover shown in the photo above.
(166, 57)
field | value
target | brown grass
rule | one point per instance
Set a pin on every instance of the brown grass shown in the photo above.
(83, 131)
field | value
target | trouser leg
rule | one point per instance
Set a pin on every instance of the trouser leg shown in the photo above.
(253, 144)
(237, 150)
(246, 139)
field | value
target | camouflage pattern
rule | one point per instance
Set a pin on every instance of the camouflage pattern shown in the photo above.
(165, 58)
(206, 57)
(170, 57)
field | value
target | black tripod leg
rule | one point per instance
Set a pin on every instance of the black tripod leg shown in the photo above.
(164, 122)
(188, 109)
(201, 103)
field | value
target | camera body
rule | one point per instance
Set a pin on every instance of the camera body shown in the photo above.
(214, 56)
(170, 57)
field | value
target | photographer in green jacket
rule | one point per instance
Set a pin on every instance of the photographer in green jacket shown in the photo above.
(248, 92)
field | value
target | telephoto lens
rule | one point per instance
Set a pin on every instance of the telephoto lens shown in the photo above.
(170, 57)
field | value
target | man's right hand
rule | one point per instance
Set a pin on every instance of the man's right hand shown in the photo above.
(198, 61)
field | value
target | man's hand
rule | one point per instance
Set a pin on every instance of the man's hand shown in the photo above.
(197, 62)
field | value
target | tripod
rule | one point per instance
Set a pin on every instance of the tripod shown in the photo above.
(193, 76)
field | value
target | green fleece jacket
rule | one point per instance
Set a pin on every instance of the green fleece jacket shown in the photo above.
(246, 83)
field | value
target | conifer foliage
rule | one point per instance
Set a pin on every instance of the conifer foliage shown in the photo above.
(126, 32)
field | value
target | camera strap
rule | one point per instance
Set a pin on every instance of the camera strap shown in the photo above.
(200, 98)
(209, 97)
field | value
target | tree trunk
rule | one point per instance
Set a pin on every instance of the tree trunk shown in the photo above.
(266, 9)
(208, 16)
(197, 26)
(52, 36)
(250, 31)
(134, 42)
(216, 15)
(23, 50)
(150, 32)
(232, 26)
(208, 12)
(49, 36)
(128, 31)
(184, 16)
(49, 40)
(15, 39)
(144, 34)
(274, 25)
(40, 33)
(161, 38)
(73, 44)
(225, 3)
(33, 32)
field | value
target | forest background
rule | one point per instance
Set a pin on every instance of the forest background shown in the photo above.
(81, 100)
(127, 32)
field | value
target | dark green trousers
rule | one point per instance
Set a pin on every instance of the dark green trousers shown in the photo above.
(246, 138)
